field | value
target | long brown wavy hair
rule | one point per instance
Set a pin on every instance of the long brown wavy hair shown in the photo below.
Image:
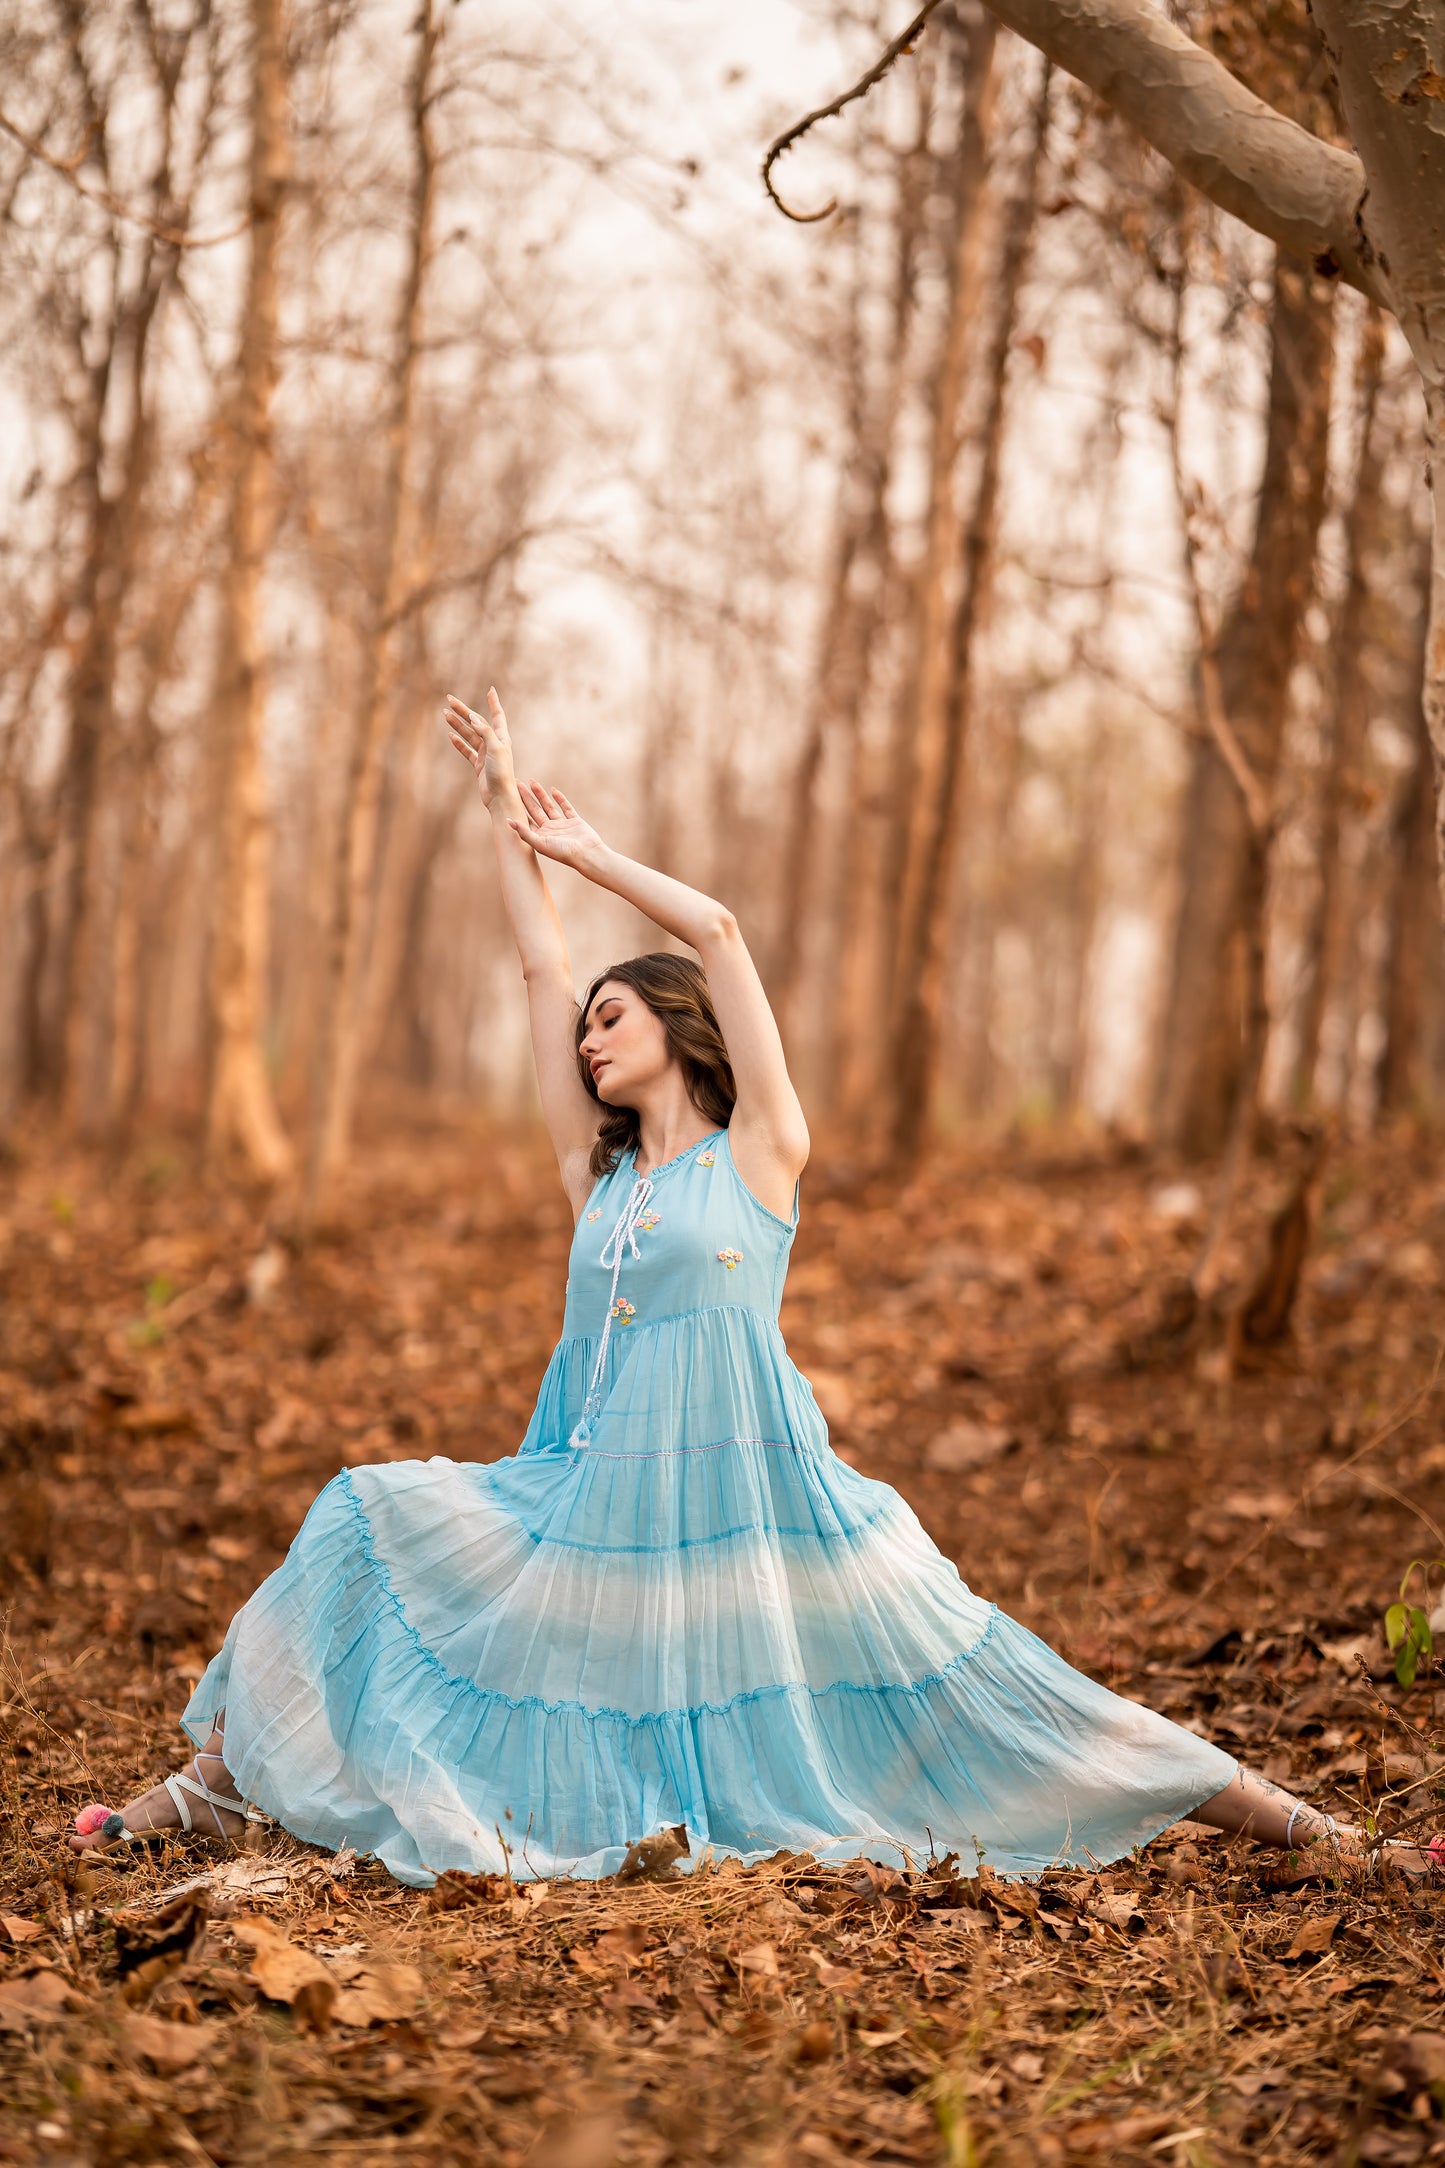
(675, 989)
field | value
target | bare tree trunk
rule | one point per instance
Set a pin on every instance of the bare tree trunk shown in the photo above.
(918, 754)
(34, 874)
(1389, 61)
(938, 783)
(139, 824)
(1328, 932)
(117, 543)
(857, 584)
(339, 1048)
(1414, 984)
(1204, 1036)
(241, 1110)
(852, 1058)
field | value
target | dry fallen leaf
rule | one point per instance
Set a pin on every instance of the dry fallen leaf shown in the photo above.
(1112, 2134)
(454, 1888)
(149, 1950)
(165, 2046)
(381, 1991)
(285, 1974)
(1120, 1912)
(36, 1998)
(1313, 1937)
(654, 1859)
(621, 1945)
(18, 1930)
(814, 2043)
(759, 1957)
(840, 1977)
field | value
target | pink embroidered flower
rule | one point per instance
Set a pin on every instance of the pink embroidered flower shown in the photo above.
(623, 1310)
(705, 1159)
(731, 1258)
(594, 1215)
(649, 1220)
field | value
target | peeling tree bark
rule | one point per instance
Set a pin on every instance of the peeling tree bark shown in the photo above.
(1234, 148)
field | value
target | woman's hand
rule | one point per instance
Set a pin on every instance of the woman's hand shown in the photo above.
(555, 829)
(485, 741)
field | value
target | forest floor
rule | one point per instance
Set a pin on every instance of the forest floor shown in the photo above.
(177, 1380)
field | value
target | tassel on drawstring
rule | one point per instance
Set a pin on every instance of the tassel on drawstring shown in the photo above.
(622, 1237)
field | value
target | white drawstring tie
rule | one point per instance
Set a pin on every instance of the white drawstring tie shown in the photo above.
(623, 1237)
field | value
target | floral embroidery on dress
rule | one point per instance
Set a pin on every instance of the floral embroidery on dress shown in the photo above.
(594, 1215)
(648, 1221)
(623, 1310)
(730, 1258)
(705, 1159)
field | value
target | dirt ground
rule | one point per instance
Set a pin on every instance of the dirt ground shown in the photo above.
(177, 1380)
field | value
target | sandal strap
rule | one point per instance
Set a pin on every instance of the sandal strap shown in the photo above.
(198, 1788)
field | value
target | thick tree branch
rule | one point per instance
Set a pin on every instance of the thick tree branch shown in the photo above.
(1299, 192)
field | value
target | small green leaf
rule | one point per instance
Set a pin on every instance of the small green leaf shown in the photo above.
(1420, 1632)
(1395, 1625)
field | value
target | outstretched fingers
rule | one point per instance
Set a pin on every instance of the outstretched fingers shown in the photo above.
(465, 724)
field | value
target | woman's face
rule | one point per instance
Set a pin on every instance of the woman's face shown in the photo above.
(625, 1046)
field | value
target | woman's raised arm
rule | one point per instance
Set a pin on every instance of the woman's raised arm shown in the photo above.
(768, 1134)
(570, 1114)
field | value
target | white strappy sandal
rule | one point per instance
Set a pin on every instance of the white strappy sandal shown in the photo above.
(182, 1789)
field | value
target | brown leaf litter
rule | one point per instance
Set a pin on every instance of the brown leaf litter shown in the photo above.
(1219, 1546)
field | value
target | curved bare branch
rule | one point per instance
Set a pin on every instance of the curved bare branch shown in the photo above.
(903, 43)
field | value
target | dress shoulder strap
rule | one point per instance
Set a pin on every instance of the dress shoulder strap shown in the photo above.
(725, 1158)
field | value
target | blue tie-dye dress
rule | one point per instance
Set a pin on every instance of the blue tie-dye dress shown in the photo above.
(674, 1604)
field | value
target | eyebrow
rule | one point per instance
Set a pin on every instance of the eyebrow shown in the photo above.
(600, 1004)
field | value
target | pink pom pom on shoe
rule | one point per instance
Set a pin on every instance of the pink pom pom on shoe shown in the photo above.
(91, 1820)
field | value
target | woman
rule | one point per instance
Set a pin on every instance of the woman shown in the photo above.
(675, 1604)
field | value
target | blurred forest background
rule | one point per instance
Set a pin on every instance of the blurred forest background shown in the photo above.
(874, 573)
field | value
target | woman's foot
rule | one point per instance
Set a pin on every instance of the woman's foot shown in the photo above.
(158, 1810)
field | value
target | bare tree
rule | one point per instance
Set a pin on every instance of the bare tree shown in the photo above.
(241, 1109)
(1374, 217)
(1328, 930)
(338, 1046)
(937, 798)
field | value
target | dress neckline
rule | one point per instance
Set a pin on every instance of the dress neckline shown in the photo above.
(676, 1159)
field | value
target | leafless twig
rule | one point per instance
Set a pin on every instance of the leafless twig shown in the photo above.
(903, 43)
(69, 170)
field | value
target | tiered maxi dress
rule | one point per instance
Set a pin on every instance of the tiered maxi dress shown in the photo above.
(675, 1603)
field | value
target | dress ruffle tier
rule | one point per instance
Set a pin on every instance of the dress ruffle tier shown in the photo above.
(700, 1614)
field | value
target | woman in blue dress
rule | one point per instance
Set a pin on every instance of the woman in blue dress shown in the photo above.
(675, 1603)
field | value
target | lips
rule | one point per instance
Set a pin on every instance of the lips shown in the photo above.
(597, 1068)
